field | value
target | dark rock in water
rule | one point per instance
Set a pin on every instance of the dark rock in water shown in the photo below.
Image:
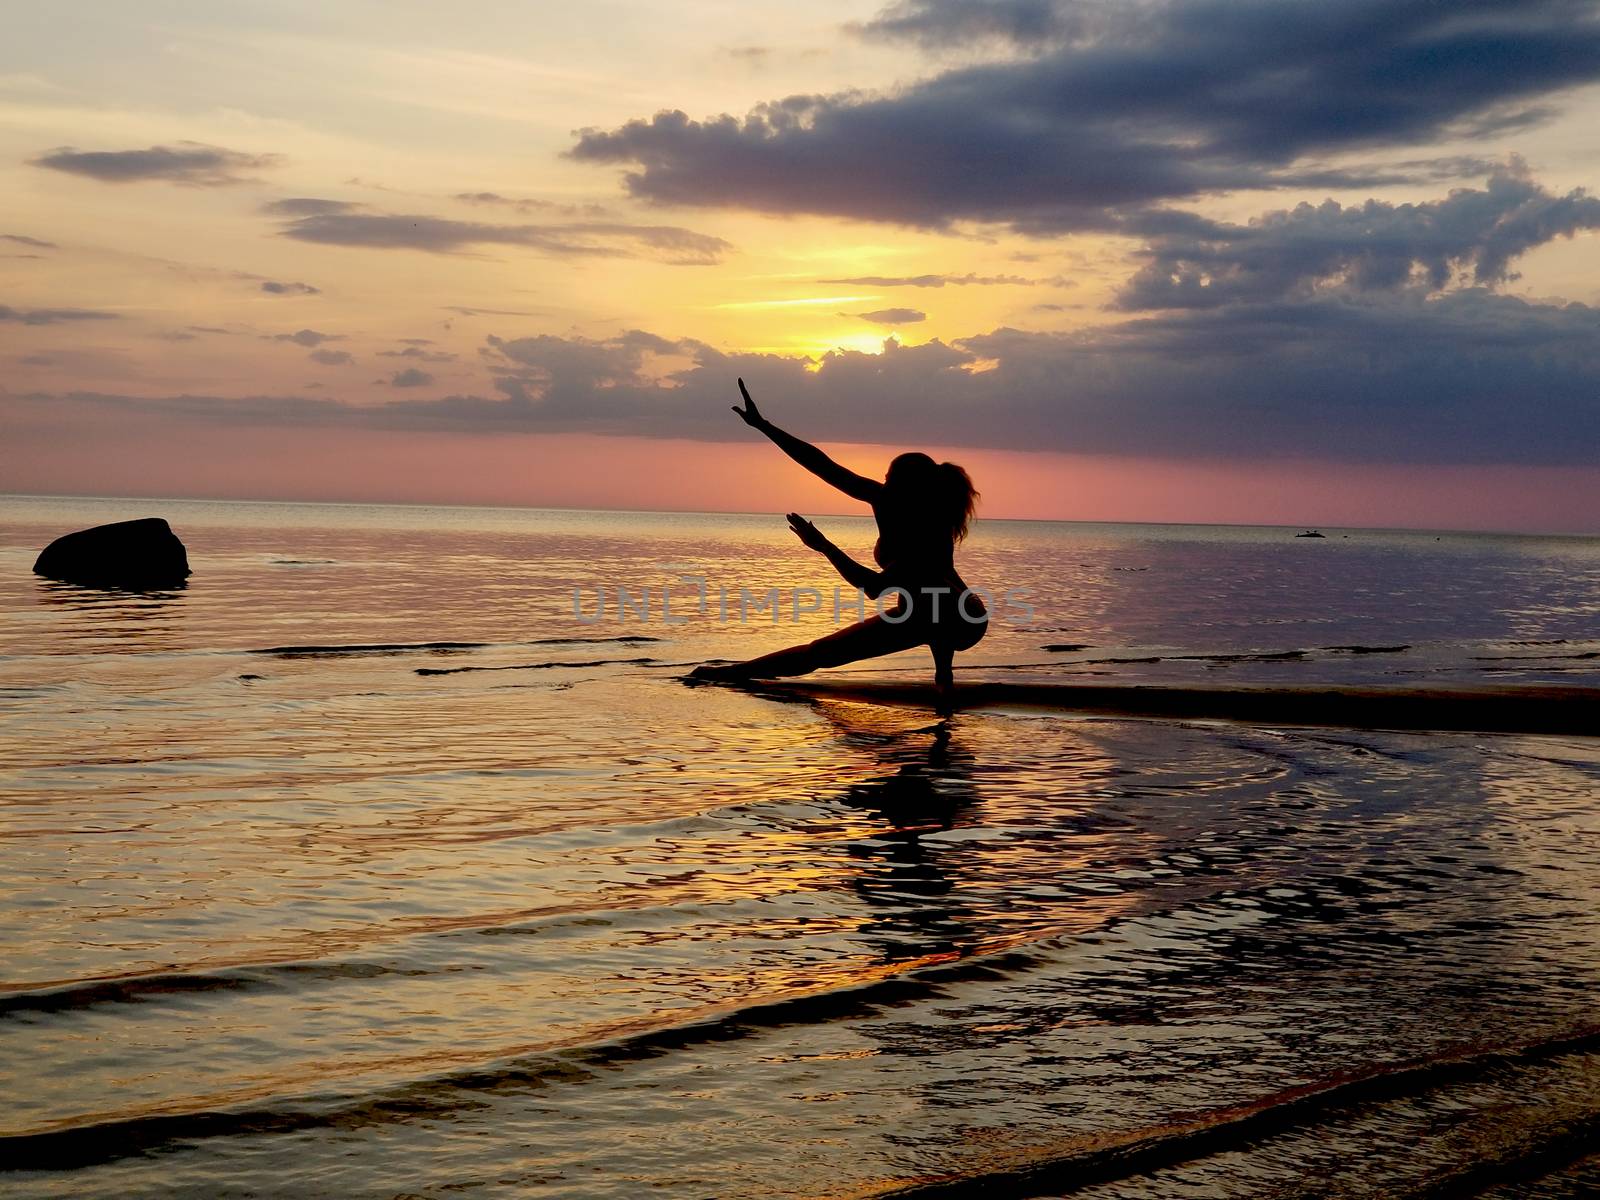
(141, 556)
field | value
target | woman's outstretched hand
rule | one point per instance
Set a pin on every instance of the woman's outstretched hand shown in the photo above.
(749, 414)
(807, 532)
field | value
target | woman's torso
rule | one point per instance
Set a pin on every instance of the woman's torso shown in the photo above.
(919, 554)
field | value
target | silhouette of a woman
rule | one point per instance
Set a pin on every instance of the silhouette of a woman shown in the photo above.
(923, 509)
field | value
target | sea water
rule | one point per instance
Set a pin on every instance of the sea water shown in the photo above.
(380, 860)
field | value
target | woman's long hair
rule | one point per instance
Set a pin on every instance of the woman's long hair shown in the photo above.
(944, 490)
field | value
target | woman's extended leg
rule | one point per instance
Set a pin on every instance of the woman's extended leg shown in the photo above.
(871, 638)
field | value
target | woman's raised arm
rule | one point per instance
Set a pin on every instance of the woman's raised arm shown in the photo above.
(858, 487)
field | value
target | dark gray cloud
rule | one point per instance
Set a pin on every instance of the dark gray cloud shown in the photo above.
(937, 281)
(331, 358)
(439, 235)
(543, 364)
(53, 316)
(23, 240)
(1142, 105)
(1373, 246)
(1347, 333)
(306, 337)
(308, 206)
(410, 377)
(1026, 23)
(275, 288)
(1464, 377)
(529, 205)
(892, 316)
(192, 163)
(1468, 376)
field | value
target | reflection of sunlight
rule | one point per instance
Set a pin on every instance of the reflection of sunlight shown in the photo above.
(1549, 781)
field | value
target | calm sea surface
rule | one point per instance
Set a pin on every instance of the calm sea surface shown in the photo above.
(366, 866)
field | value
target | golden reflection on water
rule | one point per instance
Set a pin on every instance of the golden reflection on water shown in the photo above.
(564, 914)
(263, 857)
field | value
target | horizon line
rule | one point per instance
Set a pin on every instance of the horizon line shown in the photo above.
(1307, 526)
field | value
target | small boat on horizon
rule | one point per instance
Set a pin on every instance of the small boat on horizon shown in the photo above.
(1311, 533)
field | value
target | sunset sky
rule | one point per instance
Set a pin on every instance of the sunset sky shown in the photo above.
(1284, 261)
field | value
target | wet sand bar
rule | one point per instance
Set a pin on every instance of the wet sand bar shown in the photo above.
(1541, 709)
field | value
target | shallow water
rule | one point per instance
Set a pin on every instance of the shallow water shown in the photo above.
(362, 867)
